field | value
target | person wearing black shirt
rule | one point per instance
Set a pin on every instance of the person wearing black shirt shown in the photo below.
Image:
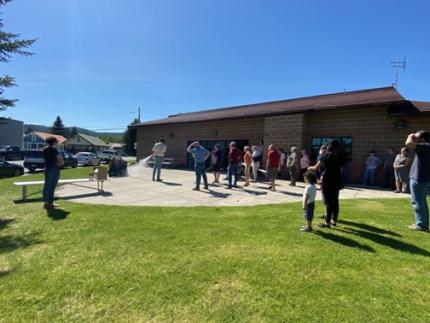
(53, 162)
(330, 166)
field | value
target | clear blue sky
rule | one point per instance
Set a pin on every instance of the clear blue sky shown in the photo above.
(178, 56)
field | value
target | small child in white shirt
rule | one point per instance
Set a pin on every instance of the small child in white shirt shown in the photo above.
(309, 200)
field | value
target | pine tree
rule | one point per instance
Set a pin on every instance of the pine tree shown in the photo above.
(10, 43)
(74, 131)
(130, 138)
(58, 127)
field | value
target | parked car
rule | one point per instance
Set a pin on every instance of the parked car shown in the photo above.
(123, 154)
(10, 170)
(34, 160)
(10, 153)
(107, 155)
(89, 159)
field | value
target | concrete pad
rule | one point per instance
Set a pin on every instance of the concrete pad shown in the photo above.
(138, 189)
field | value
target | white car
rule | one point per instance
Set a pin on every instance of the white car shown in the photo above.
(89, 159)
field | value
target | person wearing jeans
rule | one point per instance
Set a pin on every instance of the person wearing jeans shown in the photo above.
(53, 161)
(372, 163)
(200, 155)
(158, 152)
(420, 178)
(234, 158)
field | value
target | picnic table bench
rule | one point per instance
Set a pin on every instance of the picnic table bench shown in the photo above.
(61, 181)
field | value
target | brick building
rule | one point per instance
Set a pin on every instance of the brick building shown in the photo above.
(373, 119)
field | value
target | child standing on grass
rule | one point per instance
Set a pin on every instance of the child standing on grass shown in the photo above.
(309, 200)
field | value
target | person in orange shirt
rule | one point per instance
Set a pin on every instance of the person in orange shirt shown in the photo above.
(248, 162)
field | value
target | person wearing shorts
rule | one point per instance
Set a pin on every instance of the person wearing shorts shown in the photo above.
(272, 166)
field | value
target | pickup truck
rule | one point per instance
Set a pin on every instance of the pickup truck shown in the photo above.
(11, 153)
(106, 155)
(34, 160)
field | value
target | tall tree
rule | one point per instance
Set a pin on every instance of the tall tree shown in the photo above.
(10, 43)
(130, 138)
(58, 127)
(74, 131)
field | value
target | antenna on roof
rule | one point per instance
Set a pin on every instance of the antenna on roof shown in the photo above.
(397, 64)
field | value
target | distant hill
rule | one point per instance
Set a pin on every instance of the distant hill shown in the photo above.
(106, 136)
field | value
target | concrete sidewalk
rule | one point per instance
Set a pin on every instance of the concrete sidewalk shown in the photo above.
(176, 190)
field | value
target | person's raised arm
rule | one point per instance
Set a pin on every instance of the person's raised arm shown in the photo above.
(315, 168)
(411, 142)
(191, 146)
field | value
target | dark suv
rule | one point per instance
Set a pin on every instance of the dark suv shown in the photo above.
(10, 153)
(33, 160)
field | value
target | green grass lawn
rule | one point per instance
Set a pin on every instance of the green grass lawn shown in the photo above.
(105, 263)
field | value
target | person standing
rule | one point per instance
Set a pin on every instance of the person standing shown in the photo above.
(216, 162)
(372, 163)
(304, 162)
(293, 164)
(200, 155)
(257, 156)
(158, 151)
(53, 162)
(309, 195)
(401, 168)
(234, 158)
(389, 181)
(273, 165)
(330, 166)
(420, 178)
(248, 162)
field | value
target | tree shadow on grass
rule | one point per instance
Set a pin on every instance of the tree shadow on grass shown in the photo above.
(389, 242)
(10, 243)
(347, 242)
(57, 214)
(4, 223)
(369, 228)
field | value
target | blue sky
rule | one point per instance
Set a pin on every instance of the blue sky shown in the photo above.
(96, 61)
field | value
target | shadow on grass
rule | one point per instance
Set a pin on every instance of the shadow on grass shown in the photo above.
(10, 243)
(4, 223)
(57, 214)
(347, 242)
(5, 272)
(369, 228)
(388, 242)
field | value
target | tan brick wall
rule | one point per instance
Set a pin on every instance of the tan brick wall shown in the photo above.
(177, 135)
(285, 131)
(370, 129)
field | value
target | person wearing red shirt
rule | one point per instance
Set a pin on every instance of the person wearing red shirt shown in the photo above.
(273, 165)
(234, 158)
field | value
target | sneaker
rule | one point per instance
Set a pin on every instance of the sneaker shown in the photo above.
(306, 229)
(196, 189)
(333, 223)
(417, 228)
(324, 225)
(159, 180)
(228, 188)
(206, 187)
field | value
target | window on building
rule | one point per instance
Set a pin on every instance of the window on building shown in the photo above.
(317, 142)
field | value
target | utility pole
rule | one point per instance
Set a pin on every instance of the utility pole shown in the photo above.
(397, 64)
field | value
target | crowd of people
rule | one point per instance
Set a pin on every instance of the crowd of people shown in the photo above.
(330, 172)
(400, 170)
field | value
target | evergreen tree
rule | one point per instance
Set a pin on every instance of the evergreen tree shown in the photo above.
(74, 131)
(58, 127)
(10, 43)
(130, 138)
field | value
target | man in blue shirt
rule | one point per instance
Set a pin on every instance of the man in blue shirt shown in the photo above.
(200, 155)
(420, 178)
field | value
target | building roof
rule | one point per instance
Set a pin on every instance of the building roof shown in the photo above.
(421, 106)
(384, 95)
(95, 141)
(45, 135)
